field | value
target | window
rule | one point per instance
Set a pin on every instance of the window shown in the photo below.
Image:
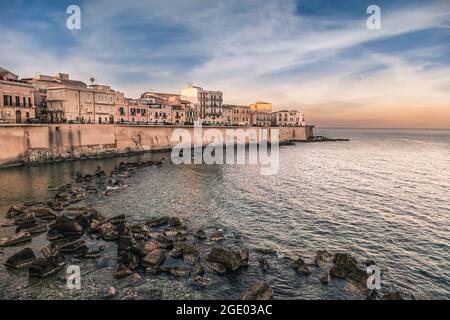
(24, 101)
(29, 101)
(17, 101)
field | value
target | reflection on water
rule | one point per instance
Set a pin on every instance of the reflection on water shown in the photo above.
(383, 195)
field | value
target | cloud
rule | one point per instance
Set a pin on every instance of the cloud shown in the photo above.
(250, 50)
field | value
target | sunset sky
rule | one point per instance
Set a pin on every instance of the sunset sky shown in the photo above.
(316, 56)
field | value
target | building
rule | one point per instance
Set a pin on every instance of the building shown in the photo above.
(178, 114)
(74, 101)
(261, 114)
(208, 103)
(240, 115)
(160, 97)
(160, 113)
(134, 111)
(190, 112)
(17, 98)
(288, 118)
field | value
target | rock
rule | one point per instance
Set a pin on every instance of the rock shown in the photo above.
(217, 236)
(52, 250)
(216, 267)
(200, 234)
(15, 211)
(117, 219)
(21, 259)
(346, 267)
(43, 267)
(33, 229)
(155, 222)
(71, 246)
(66, 227)
(174, 221)
(164, 242)
(55, 205)
(176, 253)
(202, 282)
(191, 253)
(325, 277)
(43, 213)
(150, 246)
(154, 258)
(300, 266)
(258, 291)
(198, 269)
(176, 271)
(108, 232)
(264, 264)
(27, 218)
(18, 238)
(230, 259)
(322, 257)
(245, 255)
(110, 292)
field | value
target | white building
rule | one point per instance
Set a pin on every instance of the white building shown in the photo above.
(288, 118)
(208, 104)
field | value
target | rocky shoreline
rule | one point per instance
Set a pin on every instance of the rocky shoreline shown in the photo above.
(77, 232)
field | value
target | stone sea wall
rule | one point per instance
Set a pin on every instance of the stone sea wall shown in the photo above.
(21, 144)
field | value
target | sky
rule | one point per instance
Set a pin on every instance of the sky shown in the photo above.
(316, 56)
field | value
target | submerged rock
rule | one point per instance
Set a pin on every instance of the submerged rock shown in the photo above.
(191, 253)
(216, 267)
(108, 232)
(202, 282)
(300, 266)
(34, 228)
(122, 272)
(18, 238)
(346, 267)
(27, 218)
(21, 259)
(176, 271)
(258, 291)
(43, 213)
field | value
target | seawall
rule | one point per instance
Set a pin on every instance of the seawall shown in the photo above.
(22, 144)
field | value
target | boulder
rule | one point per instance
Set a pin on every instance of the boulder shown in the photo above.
(34, 228)
(200, 234)
(119, 219)
(230, 259)
(18, 238)
(191, 253)
(52, 250)
(258, 291)
(43, 213)
(217, 236)
(322, 257)
(21, 259)
(300, 266)
(108, 231)
(158, 221)
(43, 267)
(216, 267)
(72, 245)
(154, 258)
(66, 227)
(325, 277)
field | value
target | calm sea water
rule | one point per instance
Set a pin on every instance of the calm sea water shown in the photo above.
(385, 195)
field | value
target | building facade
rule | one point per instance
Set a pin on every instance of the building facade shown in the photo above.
(77, 102)
(261, 113)
(288, 118)
(207, 102)
(17, 98)
(239, 115)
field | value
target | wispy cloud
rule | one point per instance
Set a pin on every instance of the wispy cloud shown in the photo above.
(333, 68)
